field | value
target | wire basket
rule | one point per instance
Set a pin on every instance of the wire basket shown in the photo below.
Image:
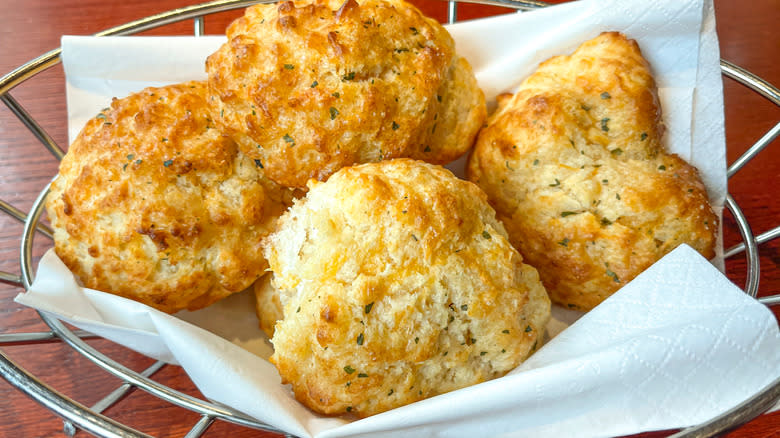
(91, 420)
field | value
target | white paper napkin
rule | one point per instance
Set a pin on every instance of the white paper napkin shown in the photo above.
(678, 345)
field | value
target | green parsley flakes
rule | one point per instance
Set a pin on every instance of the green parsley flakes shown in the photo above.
(360, 339)
(314, 84)
(612, 274)
(259, 164)
(604, 126)
(368, 307)
(333, 113)
(486, 235)
(643, 136)
(568, 213)
(349, 76)
(348, 369)
(605, 95)
(395, 126)
(289, 66)
(564, 242)
(167, 163)
(289, 140)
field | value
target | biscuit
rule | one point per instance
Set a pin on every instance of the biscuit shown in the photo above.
(574, 165)
(268, 306)
(308, 87)
(155, 204)
(398, 283)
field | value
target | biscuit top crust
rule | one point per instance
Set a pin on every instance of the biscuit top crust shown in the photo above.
(153, 203)
(575, 167)
(397, 284)
(309, 87)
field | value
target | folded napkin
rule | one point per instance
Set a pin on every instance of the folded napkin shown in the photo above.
(676, 346)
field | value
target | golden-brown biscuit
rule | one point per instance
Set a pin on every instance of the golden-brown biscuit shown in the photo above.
(574, 166)
(155, 204)
(268, 306)
(397, 284)
(308, 87)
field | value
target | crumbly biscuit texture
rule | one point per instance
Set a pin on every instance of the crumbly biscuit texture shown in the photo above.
(574, 165)
(308, 87)
(268, 306)
(153, 203)
(397, 284)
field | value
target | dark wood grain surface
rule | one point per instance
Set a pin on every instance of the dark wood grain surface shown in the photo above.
(749, 37)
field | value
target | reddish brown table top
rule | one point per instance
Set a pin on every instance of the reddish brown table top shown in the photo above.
(749, 37)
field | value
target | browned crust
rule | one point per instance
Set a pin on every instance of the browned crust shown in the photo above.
(574, 165)
(310, 87)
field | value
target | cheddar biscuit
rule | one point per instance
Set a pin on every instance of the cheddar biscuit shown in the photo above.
(398, 283)
(574, 165)
(308, 87)
(153, 203)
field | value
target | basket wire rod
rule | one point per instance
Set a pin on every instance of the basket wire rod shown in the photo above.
(200, 28)
(751, 81)
(21, 217)
(28, 70)
(12, 279)
(753, 268)
(740, 414)
(66, 408)
(774, 233)
(150, 386)
(108, 364)
(452, 11)
(200, 427)
(38, 337)
(116, 395)
(33, 126)
(754, 150)
(523, 5)
(770, 301)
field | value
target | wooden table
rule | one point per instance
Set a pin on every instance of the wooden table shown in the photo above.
(748, 37)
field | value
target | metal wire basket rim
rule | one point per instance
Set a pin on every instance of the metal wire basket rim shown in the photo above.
(108, 427)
